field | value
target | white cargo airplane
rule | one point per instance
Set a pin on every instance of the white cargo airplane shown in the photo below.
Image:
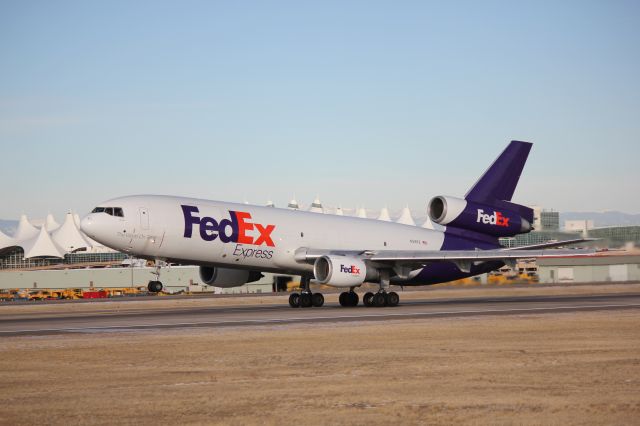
(233, 243)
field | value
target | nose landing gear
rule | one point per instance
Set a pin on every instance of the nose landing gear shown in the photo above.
(155, 286)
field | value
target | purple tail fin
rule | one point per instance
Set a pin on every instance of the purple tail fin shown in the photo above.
(500, 180)
(498, 183)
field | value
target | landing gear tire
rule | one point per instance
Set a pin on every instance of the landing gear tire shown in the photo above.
(305, 300)
(294, 300)
(154, 286)
(379, 300)
(393, 299)
(367, 299)
(343, 299)
(317, 300)
(349, 298)
(353, 298)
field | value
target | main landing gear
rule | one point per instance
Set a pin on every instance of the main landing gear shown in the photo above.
(349, 298)
(306, 299)
(156, 285)
(381, 298)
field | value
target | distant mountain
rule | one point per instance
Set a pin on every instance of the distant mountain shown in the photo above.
(612, 218)
(8, 226)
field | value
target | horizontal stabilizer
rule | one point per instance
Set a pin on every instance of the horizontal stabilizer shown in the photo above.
(553, 244)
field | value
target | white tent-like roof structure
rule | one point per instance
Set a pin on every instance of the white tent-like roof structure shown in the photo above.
(92, 243)
(316, 206)
(406, 218)
(293, 204)
(339, 211)
(50, 223)
(384, 215)
(6, 241)
(44, 242)
(428, 224)
(41, 246)
(25, 230)
(68, 236)
(362, 213)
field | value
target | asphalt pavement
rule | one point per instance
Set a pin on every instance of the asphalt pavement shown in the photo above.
(156, 318)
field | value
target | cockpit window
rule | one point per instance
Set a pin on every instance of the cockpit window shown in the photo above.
(111, 211)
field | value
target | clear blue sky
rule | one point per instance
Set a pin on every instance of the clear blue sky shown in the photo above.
(362, 102)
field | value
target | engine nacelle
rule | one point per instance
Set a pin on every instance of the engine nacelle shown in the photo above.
(342, 271)
(478, 217)
(227, 277)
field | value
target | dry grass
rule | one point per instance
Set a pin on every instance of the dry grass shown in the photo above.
(578, 368)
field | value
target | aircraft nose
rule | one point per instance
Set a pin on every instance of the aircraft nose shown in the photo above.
(87, 225)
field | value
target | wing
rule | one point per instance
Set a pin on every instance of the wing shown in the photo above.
(464, 259)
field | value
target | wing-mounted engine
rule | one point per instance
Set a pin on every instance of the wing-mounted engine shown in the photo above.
(227, 277)
(504, 219)
(342, 271)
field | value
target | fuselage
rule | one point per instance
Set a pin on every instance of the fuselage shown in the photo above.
(239, 235)
(232, 235)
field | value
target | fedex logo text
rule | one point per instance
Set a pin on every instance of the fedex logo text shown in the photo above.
(235, 229)
(496, 219)
(350, 269)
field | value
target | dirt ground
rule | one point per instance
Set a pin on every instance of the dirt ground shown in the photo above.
(574, 368)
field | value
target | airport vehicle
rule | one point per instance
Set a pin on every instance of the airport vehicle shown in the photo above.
(6, 296)
(71, 293)
(233, 243)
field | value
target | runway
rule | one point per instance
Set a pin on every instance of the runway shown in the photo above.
(153, 318)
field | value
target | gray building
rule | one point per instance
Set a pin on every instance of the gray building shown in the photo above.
(549, 220)
(582, 269)
(545, 220)
(175, 278)
(616, 236)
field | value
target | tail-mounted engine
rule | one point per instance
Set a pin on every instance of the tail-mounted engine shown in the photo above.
(486, 219)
